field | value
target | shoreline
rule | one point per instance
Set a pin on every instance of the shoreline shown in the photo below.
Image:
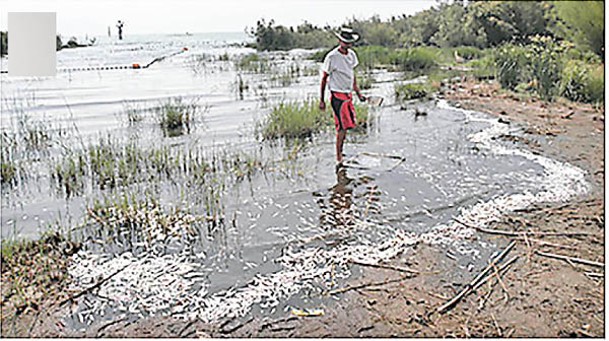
(534, 286)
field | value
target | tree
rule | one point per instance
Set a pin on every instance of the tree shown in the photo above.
(585, 22)
(459, 27)
(510, 21)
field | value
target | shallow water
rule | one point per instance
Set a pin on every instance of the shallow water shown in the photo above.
(290, 229)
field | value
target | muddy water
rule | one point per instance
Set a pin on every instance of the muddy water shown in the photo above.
(289, 230)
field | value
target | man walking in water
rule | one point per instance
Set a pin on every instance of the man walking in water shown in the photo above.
(339, 76)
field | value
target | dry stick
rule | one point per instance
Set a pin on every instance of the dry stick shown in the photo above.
(544, 243)
(518, 234)
(571, 259)
(501, 268)
(397, 164)
(96, 285)
(397, 157)
(502, 271)
(506, 293)
(496, 325)
(446, 306)
(594, 274)
(390, 267)
(349, 288)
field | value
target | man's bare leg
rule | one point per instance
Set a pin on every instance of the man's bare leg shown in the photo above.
(340, 139)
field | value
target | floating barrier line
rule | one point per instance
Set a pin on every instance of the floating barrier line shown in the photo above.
(120, 67)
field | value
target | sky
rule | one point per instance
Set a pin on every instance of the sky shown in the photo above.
(92, 17)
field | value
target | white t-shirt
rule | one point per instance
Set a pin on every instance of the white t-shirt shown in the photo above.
(340, 67)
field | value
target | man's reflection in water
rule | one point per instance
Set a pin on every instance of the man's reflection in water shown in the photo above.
(341, 200)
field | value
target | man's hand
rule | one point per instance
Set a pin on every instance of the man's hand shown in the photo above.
(361, 97)
(322, 105)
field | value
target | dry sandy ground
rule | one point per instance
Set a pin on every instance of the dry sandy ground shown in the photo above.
(535, 296)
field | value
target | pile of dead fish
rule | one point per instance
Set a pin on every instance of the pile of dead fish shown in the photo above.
(560, 182)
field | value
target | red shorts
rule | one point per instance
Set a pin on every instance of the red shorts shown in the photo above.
(344, 111)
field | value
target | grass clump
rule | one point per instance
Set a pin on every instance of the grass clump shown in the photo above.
(415, 59)
(8, 167)
(410, 91)
(253, 63)
(291, 119)
(69, 174)
(299, 120)
(176, 115)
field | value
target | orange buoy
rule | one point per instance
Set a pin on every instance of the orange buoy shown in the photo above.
(185, 49)
(136, 66)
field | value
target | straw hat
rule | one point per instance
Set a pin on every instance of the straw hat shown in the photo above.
(347, 35)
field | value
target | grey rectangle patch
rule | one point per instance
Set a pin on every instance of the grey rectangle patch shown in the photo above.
(32, 44)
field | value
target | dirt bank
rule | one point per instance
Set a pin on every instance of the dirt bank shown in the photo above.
(536, 296)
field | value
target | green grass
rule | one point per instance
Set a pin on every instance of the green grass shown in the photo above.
(364, 80)
(176, 115)
(410, 91)
(299, 120)
(291, 119)
(253, 63)
(415, 59)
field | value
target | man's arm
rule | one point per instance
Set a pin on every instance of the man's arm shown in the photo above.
(324, 81)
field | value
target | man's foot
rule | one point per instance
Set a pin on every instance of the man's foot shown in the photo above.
(339, 165)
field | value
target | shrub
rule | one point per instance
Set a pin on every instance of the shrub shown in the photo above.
(510, 62)
(537, 65)
(415, 59)
(373, 56)
(484, 68)
(545, 58)
(408, 91)
(582, 82)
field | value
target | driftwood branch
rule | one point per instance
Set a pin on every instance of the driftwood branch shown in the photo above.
(519, 234)
(365, 285)
(571, 259)
(501, 268)
(93, 287)
(469, 287)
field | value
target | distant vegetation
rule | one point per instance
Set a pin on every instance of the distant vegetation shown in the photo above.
(548, 48)
(271, 37)
(3, 43)
(72, 42)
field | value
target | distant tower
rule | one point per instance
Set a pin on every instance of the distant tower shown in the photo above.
(109, 32)
(120, 29)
